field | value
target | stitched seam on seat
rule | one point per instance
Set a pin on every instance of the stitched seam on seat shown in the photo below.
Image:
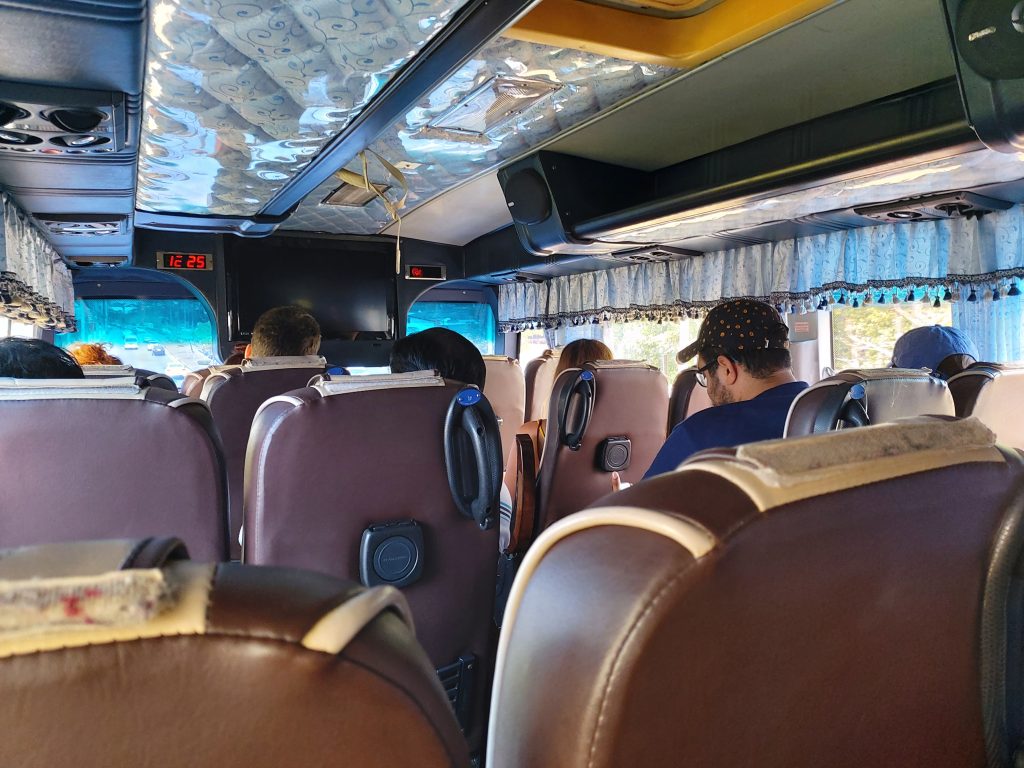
(620, 652)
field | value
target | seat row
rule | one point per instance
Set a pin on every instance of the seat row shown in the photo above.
(811, 601)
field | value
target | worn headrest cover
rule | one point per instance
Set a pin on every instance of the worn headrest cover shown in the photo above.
(286, 361)
(612, 364)
(108, 370)
(350, 384)
(54, 389)
(927, 347)
(741, 325)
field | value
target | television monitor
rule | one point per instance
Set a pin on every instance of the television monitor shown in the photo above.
(350, 288)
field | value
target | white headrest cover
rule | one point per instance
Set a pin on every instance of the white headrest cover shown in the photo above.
(123, 388)
(286, 361)
(107, 371)
(610, 364)
(347, 384)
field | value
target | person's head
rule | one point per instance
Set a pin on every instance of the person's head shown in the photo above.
(36, 359)
(581, 351)
(92, 354)
(450, 354)
(941, 350)
(742, 350)
(285, 332)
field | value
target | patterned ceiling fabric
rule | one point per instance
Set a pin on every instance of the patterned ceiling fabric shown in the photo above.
(35, 284)
(576, 85)
(241, 95)
(959, 260)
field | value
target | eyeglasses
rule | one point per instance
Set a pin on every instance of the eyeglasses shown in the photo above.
(701, 372)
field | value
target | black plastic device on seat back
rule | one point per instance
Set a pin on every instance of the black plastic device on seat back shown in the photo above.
(576, 403)
(472, 456)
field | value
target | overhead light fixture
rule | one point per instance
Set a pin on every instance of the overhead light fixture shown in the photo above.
(492, 104)
(351, 196)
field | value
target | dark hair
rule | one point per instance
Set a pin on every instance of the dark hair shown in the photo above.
(581, 351)
(285, 331)
(759, 363)
(36, 359)
(442, 350)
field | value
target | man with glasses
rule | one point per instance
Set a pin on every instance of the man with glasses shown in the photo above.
(743, 359)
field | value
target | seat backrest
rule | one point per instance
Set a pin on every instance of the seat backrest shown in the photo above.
(149, 378)
(164, 662)
(687, 398)
(994, 394)
(330, 467)
(505, 388)
(815, 601)
(233, 395)
(857, 398)
(106, 458)
(192, 385)
(628, 400)
(540, 377)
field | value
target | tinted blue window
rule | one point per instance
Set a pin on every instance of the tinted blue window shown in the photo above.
(474, 321)
(172, 336)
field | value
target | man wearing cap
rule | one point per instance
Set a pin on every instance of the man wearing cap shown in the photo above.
(941, 350)
(743, 359)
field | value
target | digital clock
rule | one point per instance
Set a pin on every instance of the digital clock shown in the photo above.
(188, 261)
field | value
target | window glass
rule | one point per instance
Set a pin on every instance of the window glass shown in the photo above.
(864, 337)
(532, 344)
(10, 327)
(653, 342)
(474, 321)
(171, 336)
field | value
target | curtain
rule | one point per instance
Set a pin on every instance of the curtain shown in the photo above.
(35, 283)
(946, 260)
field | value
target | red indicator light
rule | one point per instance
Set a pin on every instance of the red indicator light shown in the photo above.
(416, 271)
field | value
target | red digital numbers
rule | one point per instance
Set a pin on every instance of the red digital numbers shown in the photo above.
(185, 261)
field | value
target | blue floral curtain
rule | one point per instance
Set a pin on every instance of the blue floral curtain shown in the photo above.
(965, 261)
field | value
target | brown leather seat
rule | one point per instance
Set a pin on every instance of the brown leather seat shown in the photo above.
(630, 402)
(149, 659)
(540, 377)
(149, 378)
(233, 394)
(103, 458)
(192, 386)
(994, 394)
(802, 603)
(505, 388)
(858, 398)
(686, 399)
(330, 466)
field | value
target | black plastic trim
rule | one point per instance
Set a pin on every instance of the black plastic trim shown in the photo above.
(259, 226)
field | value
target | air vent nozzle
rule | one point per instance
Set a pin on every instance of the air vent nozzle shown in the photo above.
(76, 120)
(947, 205)
(351, 196)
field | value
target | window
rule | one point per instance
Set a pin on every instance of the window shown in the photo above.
(10, 327)
(171, 336)
(864, 337)
(647, 340)
(472, 320)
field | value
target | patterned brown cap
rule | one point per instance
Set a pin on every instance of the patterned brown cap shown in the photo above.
(740, 325)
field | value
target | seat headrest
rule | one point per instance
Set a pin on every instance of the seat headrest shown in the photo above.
(66, 389)
(46, 606)
(283, 361)
(777, 472)
(107, 371)
(604, 365)
(349, 384)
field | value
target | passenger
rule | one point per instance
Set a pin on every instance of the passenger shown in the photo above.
(238, 354)
(447, 352)
(941, 350)
(581, 351)
(743, 359)
(285, 332)
(92, 354)
(36, 359)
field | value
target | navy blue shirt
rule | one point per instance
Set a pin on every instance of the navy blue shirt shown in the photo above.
(724, 426)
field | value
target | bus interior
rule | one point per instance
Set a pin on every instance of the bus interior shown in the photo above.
(305, 561)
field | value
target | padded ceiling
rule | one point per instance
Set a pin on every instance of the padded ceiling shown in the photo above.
(854, 52)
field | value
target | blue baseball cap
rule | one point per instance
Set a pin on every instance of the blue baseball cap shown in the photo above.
(927, 347)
